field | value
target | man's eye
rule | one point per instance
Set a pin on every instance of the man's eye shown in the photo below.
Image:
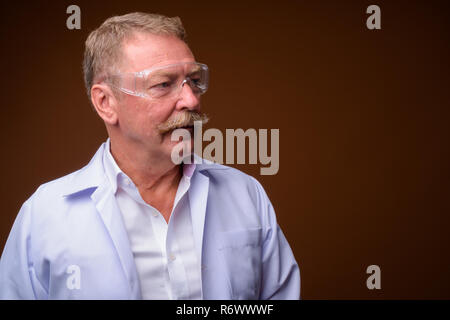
(162, 85)
(195, 81)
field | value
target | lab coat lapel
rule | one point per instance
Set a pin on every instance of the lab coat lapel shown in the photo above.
(198, 196)
(109, 211)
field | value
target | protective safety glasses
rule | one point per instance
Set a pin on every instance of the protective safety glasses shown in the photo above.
(165, 81)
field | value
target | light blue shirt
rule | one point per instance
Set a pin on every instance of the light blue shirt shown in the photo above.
(69, 240)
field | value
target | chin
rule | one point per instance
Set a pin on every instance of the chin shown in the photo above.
(184, 147)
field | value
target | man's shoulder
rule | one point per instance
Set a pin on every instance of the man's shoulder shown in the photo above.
(232, 180)
(236, 195)
(60, 184)
(88, 176)
(220, 171)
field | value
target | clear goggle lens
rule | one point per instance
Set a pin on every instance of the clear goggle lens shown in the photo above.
(164, 81)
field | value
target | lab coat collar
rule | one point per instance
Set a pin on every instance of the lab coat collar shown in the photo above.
(198, 196)
(90, 176)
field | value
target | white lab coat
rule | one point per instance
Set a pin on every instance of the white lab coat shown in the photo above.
(69, 240)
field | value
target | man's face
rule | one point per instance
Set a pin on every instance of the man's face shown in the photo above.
(139, 118)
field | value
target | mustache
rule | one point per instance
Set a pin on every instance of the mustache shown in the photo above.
(182, 119)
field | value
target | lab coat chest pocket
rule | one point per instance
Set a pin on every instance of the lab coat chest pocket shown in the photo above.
(242, 254)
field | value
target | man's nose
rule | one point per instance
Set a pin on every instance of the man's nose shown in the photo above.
(188, 99)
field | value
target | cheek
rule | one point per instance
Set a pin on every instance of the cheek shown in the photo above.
(162, 113)
(155, 112)
(139, 116)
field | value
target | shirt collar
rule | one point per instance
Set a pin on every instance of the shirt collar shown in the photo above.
(112, 170)
(188, 170)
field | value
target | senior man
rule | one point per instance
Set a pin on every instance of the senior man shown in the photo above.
(132, 224)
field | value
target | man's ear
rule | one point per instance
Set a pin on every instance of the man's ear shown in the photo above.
(104, 103)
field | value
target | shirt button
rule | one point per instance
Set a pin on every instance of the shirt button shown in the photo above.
(155, 214)
(172, 257)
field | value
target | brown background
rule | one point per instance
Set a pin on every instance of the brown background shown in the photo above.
(363, 118)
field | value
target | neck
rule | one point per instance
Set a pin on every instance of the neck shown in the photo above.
(149, 172)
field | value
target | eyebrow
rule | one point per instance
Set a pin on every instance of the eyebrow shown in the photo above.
(172, 74)
(195, 70)
(162, 73)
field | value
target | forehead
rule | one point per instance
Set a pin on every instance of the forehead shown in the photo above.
(145, 50)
